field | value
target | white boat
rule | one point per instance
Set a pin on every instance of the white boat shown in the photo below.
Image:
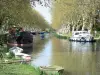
(82, 36)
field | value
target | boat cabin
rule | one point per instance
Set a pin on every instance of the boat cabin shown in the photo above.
(82, 36)
(80, 33)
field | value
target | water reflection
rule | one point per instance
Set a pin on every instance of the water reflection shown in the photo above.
(38, 44)
(76, 57)
(44, 57)
(82, 46)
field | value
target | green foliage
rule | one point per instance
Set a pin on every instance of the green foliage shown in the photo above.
(10, 56)
(20, 69)
(80, 14)
(3, 39)
(17, 69)
(3, 50)
(62, 37)
(19, 13)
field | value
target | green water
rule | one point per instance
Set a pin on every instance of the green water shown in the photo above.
(77, 58)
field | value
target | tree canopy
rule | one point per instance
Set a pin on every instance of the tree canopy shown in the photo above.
(79, 14)
(20, 13)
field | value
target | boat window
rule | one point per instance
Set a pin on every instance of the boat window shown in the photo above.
(84, 32)
(76, 33)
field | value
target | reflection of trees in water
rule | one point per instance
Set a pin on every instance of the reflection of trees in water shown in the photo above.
(80, 61)
(98, 61)
(82, 46)
(66, 45)
(98, 56)
(38, 44)
(77, 59)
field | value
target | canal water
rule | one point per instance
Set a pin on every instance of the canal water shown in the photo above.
(77, 58)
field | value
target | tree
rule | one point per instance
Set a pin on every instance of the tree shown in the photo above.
(46, 3)
(19, 13)
(80, 14)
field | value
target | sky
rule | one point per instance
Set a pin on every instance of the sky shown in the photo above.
(44, 11)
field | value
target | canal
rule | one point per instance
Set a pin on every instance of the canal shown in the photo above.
(77, 58)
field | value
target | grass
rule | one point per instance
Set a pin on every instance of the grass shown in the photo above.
(67, 36)
(21, 69)
(17, 69)
(14, 68)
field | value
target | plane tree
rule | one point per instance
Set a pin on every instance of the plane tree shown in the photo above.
(78, 14)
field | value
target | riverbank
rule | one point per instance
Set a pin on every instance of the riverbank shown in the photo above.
(67, 36)
(17, 69)
(9, 65)
(62, 36)
(97, 37)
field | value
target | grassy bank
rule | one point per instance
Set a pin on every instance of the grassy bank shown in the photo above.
(14, 68)
(22, 69)
(17, 69)
(67, 36)
(97, 35)
(64, 36)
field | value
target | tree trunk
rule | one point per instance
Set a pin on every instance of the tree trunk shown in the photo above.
(73, 28)
(83, 27)
(91, 26)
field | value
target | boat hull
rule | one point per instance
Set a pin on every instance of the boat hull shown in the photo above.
(82, 36)
(82, 40)
(20, 45)
(51, 69)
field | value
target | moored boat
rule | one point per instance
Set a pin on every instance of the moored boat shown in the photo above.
(34, 33)
(82, 36)
(52, 69)
(17, 36)
(20, 45)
